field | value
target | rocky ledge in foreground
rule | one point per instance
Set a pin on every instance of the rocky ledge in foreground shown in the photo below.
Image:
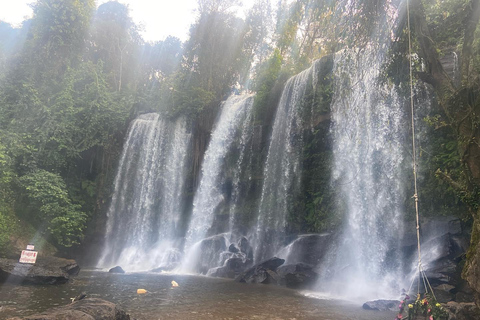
(48, 270)
(87, 309)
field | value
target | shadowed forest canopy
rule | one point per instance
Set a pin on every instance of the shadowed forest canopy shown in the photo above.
(74, 75)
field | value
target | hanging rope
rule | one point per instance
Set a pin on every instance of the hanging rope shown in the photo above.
(422, 277)
(414, 155)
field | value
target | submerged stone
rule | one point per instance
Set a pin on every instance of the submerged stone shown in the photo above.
(88, 309)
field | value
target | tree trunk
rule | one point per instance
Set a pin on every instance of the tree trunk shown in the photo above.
(467, 50)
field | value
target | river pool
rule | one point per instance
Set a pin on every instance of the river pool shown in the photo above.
(196, 297)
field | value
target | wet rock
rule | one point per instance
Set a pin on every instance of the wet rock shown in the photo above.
(464, 297)
(381, 305)
(88, 309)
(271, 264)
(259, 273)
(299, 275)
(434, 228)
(309, 248)
(211, 250)
(442, 258)
(116, 269)
(235, 264)
(244, 245)
(47, 270)
(232, 268)
(233, 248)
(447, 246)
(443, 293)
(462, 311)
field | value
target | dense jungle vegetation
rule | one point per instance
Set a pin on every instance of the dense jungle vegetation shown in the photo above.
(73, 76)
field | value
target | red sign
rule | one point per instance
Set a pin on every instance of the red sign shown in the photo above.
(28, 256)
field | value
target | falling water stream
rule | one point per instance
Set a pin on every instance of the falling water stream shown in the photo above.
(146, 208)
(368, 138)
(282, 173)
(211, 196)
(368, 133)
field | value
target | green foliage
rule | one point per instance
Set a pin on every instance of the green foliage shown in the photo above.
(267, 77)
(8, 227)
(116, 42)
(438, 152)
(49, 206)
(446, 19)
(57, 36)
(59, 112)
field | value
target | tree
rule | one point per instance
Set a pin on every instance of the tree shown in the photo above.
(57, 36)
(116, 41)
(461, 105)
(49, 207)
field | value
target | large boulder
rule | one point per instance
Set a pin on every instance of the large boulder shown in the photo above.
(441, 257)
(299, 275)
(47, 270)
(88, 309)
(210, 250)
(444, 244)
(232, 268)
(244, 245)
(309, 248)
(116, 269)
(262, 273)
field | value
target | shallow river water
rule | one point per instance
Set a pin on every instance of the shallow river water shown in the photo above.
(196, 298)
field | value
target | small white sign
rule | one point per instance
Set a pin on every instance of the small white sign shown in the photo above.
(30, 247)
(28, 257)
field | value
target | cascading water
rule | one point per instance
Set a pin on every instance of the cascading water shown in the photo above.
(211, 198)
(282, 171)
(143, 219)
(368, 133)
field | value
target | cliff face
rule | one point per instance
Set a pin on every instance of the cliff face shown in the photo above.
(471, 272)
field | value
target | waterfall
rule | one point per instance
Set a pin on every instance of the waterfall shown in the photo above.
(282, 171)
(143, 219)
(216, 196)
(368, 132)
